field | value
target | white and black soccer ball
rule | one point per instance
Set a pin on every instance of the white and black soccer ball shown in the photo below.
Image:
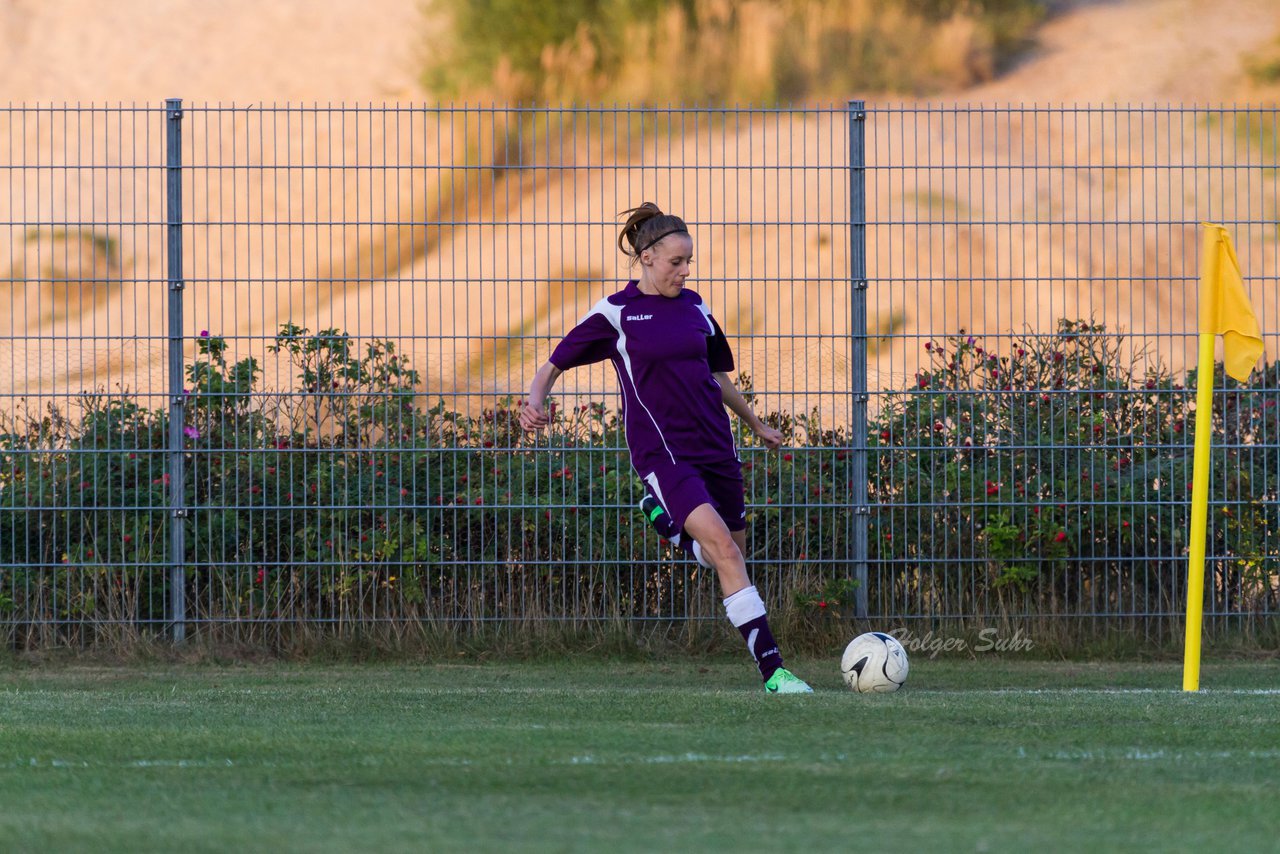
(874, 663)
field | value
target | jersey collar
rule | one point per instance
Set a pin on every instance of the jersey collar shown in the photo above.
(632, 292)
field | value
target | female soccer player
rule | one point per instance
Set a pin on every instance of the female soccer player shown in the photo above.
(673, 364)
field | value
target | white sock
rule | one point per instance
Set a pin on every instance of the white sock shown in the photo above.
(744, 606)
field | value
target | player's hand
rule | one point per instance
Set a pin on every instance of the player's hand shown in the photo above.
(533, 416)
(770, 436)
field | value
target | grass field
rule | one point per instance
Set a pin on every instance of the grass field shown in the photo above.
(682, 755)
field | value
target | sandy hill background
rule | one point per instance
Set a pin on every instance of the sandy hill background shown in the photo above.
(372, 274)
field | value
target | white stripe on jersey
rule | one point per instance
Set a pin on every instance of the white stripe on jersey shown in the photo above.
(613, 314)
(706, 315)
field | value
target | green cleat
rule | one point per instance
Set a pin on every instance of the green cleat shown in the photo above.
(783, 681)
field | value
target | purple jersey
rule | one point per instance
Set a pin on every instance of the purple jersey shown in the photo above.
(664, 351)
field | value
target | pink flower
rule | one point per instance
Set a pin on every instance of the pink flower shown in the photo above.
(204, 333)
(191, 432)
(1060, 537)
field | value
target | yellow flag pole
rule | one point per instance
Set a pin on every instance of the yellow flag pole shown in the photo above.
(1199, 512)
(1225, 310)
(1209, 273)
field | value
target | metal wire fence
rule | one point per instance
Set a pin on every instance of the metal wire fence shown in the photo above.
(260, 366)
(1037, 268)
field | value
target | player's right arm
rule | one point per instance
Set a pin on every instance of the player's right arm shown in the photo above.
(592, 340)
(533, 415)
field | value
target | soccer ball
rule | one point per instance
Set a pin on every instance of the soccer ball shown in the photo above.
(874, 663)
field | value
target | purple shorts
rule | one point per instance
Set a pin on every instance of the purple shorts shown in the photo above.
(681, 488)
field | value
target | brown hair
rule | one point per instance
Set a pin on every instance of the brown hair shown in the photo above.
(645, 226)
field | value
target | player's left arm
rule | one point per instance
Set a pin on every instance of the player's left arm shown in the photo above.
(770, 436)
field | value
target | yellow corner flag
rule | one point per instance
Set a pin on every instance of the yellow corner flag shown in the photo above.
(1224, 304)
(1225, 311)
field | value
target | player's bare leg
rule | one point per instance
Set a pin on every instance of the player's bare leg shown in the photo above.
(726, 552)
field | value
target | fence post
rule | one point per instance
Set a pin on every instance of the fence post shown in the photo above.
(858, 358)
(177, 399)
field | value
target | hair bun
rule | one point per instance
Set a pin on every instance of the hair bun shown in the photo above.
(645, 226)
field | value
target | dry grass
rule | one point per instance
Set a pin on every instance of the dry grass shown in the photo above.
(61, 273)
(1263, 66)
(753, 51)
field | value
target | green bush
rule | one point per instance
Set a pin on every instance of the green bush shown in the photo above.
(1055, 479)
(1049, 480)
(344, 502)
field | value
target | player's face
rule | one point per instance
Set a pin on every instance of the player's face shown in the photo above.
(667, 264)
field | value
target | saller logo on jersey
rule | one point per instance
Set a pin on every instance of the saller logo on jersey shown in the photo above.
(639, 317)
